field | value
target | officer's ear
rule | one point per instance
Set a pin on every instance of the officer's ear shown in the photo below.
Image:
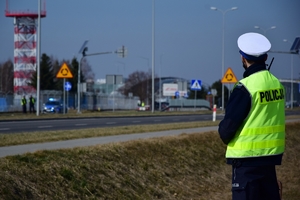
(266, 57)
(244, 60)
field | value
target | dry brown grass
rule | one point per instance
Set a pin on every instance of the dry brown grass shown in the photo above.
(289, 172)
(189, 166)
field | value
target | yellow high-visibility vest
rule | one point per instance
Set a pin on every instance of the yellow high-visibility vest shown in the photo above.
(23, 101)
(263, 131)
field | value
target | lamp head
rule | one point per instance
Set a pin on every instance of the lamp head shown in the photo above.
(84, 50)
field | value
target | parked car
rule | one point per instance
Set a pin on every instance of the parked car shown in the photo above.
(288, 104)
(163, 105)
(143, 108)
(53, 106)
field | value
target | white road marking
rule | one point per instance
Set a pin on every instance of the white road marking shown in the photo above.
(45, 126)
(4, 129)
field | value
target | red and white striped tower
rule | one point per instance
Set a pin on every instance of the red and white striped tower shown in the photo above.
(25, 37)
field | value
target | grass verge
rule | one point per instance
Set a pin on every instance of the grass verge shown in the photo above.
(189, 166)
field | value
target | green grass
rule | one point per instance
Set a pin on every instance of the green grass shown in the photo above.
(188, 166)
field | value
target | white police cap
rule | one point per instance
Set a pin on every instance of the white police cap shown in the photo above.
(253, 44)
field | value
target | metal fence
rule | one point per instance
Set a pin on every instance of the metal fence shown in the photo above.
(88, 101)
(92, 101)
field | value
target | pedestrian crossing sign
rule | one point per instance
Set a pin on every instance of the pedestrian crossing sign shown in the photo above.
(196, 85)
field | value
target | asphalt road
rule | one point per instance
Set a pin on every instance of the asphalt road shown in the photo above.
(10, 127)
(19, 126)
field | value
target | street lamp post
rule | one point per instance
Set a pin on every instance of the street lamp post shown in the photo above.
(78, 84)
(147, 91)
(38, 60)
(160, 81)
(223, 44)
(82, 51)
(265, 30)
(153, 51)
(292, 89)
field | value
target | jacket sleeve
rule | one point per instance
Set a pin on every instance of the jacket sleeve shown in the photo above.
(238, 107)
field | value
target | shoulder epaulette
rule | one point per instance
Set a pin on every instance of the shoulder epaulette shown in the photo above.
(239, 85)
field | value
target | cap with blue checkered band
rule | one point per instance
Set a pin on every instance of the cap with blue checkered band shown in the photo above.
(253, 46)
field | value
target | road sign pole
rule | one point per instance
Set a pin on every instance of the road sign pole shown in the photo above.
(64, 89)
(195, 100)
(67, 87)
(181, 102)
(67, 100)
(229, 89)
(64, 72)
(196, 85)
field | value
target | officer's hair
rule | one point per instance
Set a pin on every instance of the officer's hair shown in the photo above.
(251, 62)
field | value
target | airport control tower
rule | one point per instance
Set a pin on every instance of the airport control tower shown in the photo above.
(25, 52)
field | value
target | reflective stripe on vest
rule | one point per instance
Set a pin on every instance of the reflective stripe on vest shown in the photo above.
(263, 131)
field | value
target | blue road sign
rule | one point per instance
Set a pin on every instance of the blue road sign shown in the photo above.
(196, 85)
(68, 86)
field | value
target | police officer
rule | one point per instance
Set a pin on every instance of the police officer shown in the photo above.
(253, 127)
(31, 104)
(23, 103)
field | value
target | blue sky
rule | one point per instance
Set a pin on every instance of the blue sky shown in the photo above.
(188, 34)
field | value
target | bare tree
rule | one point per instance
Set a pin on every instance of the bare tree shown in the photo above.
(86, 70)
(7, 77)
(138, 83)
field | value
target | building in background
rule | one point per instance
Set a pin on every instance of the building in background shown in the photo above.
(288, 89)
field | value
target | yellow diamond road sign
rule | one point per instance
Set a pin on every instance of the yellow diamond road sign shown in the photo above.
(229, 77)
(64, 72)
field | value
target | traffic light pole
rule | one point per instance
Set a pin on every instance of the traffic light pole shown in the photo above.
(121, 52)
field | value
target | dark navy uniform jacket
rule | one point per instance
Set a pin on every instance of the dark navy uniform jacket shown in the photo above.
(237, 110)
